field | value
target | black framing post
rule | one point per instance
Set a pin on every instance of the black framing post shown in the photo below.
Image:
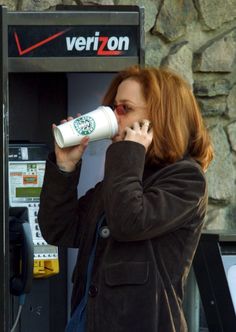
(213, 285)
(4, 237)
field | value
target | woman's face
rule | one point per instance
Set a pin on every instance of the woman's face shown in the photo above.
(130, 106)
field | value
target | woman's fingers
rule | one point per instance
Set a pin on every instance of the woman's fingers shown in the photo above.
(140, 132)
(146, 126)
(83, 144)
(136, 126)
(69, 118)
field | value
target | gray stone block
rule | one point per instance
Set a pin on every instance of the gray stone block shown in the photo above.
(221, 172)
(216, 12)
(212, 106)
(217, 55)
(173, 17)
(231, 103)
(211, 87)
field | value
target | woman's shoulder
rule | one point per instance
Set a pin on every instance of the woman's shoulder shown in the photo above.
(184, 168)
(190, 164)
(184, 178)
(186, 163)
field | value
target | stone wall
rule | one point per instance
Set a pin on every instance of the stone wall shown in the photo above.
(198, 39)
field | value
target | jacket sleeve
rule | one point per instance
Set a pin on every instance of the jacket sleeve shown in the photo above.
(61, 214)
(134, 212)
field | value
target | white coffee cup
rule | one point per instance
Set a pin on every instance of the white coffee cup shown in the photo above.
(98, 124)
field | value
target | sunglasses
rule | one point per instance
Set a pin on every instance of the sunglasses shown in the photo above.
(121, 109)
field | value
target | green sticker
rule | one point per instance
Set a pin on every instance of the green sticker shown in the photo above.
(84, 125)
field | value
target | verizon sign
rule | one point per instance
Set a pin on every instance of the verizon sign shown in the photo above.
(102, 44)
(79, 41)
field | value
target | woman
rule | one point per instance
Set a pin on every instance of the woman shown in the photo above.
(138, 229)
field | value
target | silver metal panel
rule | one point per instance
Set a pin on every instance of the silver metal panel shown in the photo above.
(142, 36)
(74, 18)
(222, 235)
(84, 64)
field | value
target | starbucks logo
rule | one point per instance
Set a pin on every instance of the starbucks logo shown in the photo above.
(84, 125)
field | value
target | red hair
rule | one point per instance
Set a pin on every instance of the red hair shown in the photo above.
(176, 119)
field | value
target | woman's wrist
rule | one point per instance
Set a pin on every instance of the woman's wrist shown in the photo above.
(66, 167)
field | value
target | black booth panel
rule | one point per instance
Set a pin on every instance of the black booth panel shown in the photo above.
(45, 307)
(36, 101)
(211, 276)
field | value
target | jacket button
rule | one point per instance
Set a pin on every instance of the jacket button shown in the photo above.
(93, 291)
(104, 232)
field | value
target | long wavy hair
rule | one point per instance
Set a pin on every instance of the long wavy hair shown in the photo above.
(177, 122)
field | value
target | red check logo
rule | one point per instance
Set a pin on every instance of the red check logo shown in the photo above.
(42, 42)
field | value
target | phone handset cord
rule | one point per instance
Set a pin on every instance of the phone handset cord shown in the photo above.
(21, 303)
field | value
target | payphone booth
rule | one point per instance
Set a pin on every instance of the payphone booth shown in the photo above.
(59, 63)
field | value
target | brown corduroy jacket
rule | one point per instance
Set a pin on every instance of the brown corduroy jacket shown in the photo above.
(154, 216)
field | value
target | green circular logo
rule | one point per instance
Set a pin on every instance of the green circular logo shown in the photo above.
(84, 125)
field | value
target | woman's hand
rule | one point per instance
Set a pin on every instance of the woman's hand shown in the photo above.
(140, 133)
(68, 158)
